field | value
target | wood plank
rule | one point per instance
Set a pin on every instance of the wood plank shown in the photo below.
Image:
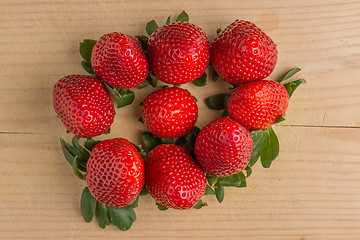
(310, 192)
(40, 39)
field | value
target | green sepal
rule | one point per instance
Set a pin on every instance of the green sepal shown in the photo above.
(151, 27)
(161, 207)
(271, 151)
(258, 138)
(122, 217)
(200, 81)
(87, 205)
(152, 79)
(218, 31)
(235, 180)
(140, 150)
(150, 141)
(127, 97)
(188, 140)
(90, 143)
(291, 86)
(135, 204)
(76, 169)
(87, 67)
(183, 17)
(143, 40)
(167, 141)
(209, 190)
(141, 120)
(200, 204)
(281, 119)
(144, 191)
(212, 180)
(85, 49)
(225, 113)
(219, 191)
(168, 20)
(143, 84)
(217, 101)
(289, 74)
(248, 170)
(215, 75)
(102, 214)
(70, 152)
(83, 151)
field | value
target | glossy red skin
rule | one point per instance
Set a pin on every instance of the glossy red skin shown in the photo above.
(258, 105)
(223, 147)
(173, 178)
(169, 112)
(119, 60)
(115, 172)
(178, 52)
(83, 105)
(242, 52)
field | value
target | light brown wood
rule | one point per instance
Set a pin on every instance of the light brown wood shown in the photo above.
(312, 191)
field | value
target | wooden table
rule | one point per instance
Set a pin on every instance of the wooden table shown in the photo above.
(312, 191)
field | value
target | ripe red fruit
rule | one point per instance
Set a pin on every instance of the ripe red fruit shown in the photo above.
(258, 105)
(119, 60)
(115, 172)
(223, 147)
(242, 52)
(169, 112)
(173, 178)
(83, 105)
(178, 52)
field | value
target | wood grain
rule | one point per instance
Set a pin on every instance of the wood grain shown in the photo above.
(310, 192)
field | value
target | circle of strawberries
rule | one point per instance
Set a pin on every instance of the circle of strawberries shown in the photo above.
(178, 163)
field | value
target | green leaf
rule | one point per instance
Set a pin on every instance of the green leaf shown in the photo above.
(289, 74)
(122, 217)
(258, 138)
(183, 17)
(200, 204)
(90, 143)
(150, 140)
(271, 151)
(168, 20)
(127, 97)
(218, 31)
(102, 213)
(161, 207)
(200, 81)
(235, 180)
(85, 49)
(88, 205)
(151, 27)
(144, 191)
(77, 167)
(212, 180)
(68, 151)
(135, 204)
(83, 151)
(219, 191)
(209, 190)
(87, 67)
(291, 86)
(248, 170)
(217, 101)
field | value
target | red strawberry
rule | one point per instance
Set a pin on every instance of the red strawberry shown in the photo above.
(223, 147)
(258, 105)
(173, 178)
(242, 52)
(115, 172)
(169, 112)
(178, 52)
(119, 60)
(83, 105)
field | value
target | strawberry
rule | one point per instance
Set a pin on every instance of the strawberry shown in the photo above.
(242, 52)
(178, 52)
(115, 172)
(259, 104)
(169, 112)
(223, 147)
(119, 60)
(83, 105)
(173, 178)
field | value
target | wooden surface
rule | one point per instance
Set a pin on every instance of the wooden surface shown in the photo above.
(312, 191)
